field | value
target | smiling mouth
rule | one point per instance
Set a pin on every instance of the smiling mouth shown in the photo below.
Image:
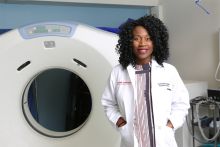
(143, 50)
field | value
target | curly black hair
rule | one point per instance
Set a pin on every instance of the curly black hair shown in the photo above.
(158, 34)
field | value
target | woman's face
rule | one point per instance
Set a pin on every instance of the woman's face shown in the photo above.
(142, 45)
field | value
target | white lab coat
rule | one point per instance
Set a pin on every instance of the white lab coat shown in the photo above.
(170, 102)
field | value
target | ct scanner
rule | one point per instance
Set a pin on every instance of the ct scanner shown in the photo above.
(26, 53)
(31, 57)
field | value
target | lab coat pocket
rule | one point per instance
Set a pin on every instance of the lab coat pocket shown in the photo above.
(123, 131)
(165, 137)
(125, 137)
(165, 91)
(169, 137)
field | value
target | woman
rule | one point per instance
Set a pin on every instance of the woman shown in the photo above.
(145, 98)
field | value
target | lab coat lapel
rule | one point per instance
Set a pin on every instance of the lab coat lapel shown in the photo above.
(131, 73)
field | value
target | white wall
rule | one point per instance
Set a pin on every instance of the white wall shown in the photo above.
(193, 38)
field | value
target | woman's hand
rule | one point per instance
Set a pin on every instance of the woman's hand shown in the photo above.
(169, 124)
(121, 122)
